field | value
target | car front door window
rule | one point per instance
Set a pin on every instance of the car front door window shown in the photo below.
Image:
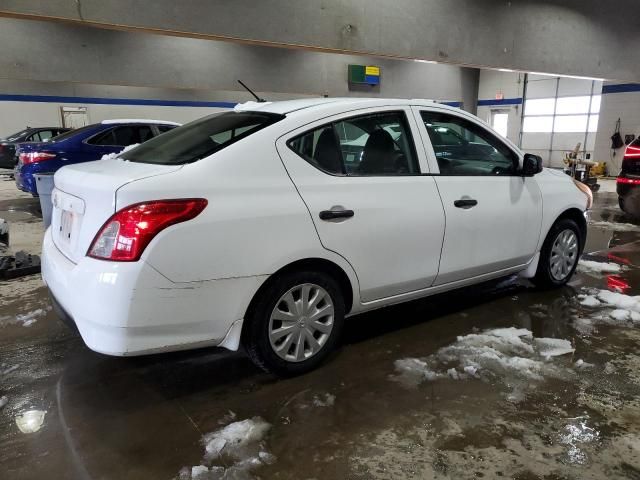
(464, 148)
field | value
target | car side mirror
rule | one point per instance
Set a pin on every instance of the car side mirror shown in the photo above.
(531, 165)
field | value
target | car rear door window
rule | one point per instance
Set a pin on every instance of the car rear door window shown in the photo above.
(321, 148)
(165, 128)
(104, 138)
(143, 133)
(378, 144)
(465, 148)
(45, 135)
(123, 136)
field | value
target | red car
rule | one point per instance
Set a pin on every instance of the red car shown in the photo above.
(629, 179)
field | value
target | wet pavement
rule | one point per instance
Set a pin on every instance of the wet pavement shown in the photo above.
(462, 385)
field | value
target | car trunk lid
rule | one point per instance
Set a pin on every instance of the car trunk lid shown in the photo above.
(84, 198)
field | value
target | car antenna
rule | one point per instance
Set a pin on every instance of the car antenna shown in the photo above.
(258, 99)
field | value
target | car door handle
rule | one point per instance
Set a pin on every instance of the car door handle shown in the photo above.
(332, 214)
(465, 203)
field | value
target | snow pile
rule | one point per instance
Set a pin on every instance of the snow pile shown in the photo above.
(618, 227)
(3, 401)
(493, 354)
(589, 266)
(589, 301)
(619, 300)
(111, 156)
(249, 105)
(239, 444)
(617, 309)
(139, 120)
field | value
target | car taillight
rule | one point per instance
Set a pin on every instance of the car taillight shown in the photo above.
(628, 181)
(127, 233)
(632, 152)
(35, 157)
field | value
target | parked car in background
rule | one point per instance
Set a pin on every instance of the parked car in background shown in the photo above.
(263, 227)
(84, 144)
(8, 145)
(628, 182)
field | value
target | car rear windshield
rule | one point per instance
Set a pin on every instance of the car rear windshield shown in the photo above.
(199, 139)
(15, 136)
(636, 142)
(71, 133)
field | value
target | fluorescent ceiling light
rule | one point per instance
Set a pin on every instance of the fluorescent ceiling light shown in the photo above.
(577, 77)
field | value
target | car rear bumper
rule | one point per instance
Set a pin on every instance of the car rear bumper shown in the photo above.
(124, 309)
(626, 189)
(7, 159)
(25, 181)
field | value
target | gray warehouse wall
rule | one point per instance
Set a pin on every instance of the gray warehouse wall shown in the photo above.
(126, 65)
(573, 37)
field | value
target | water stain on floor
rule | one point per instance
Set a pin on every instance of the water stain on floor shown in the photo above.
(88, 416)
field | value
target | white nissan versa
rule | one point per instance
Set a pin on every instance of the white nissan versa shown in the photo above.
(267, 225)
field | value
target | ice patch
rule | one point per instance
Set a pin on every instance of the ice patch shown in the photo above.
(618, 227)
(584, 325)
(553, 347)
(30, 421)
(497, 354)
(111, 156)
(233, 438)
(10, 369)
(232, 451)
(326, 400)
(3, 401)
(581, 364)
(589, 266)
(30, 318)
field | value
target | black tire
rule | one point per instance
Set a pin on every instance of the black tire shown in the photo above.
(255, 336)
(544, 277)
(621, 204)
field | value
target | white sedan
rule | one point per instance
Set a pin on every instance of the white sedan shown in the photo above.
(266, 226)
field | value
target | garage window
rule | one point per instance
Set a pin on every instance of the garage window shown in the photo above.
(197, 140)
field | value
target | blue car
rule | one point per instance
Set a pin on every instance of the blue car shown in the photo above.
(82, 145)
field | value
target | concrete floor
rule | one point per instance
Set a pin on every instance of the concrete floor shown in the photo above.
(395, 402)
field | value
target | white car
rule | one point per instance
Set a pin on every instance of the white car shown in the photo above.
(252, 227)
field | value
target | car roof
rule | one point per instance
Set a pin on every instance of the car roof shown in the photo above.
(289, 106)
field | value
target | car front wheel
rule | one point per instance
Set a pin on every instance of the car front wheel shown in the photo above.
(559, 255)
(295, 323)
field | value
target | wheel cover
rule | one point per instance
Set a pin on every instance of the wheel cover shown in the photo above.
(564, 255)
(301, 322)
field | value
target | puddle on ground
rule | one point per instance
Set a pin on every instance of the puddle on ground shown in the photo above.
(533, 408)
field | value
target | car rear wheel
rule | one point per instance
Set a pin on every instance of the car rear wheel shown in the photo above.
(559, 255)
(295, 323)
(621, 204)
